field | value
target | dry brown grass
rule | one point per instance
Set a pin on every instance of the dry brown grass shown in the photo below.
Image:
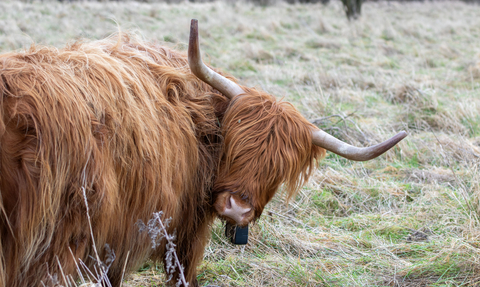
(409, 218)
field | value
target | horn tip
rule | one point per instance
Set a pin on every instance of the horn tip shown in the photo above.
(193, 26)
(402, 134)
(193, 45)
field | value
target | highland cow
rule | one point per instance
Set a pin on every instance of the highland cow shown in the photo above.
(99, 135)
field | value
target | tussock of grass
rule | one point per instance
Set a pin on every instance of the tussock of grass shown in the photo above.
(409, 218)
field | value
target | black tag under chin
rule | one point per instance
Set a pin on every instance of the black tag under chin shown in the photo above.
(237, 235)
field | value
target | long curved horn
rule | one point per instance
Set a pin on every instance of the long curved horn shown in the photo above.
(330, 143)
(204, 73)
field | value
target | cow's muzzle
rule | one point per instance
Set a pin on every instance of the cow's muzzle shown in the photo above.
(233, 209)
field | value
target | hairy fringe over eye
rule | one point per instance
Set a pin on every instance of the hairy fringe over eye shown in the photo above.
(267, 143)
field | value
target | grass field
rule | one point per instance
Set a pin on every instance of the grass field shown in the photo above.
(408, 218)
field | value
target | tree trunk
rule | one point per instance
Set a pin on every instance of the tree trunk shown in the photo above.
(352, 8)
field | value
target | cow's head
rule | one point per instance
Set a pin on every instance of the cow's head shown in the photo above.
(267, 143)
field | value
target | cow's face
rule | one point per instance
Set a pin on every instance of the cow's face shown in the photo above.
(267, 143)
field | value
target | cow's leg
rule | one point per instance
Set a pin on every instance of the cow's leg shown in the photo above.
(190, 246)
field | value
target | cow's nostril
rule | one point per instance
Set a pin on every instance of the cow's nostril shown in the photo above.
(228, 203)
(247, 213)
